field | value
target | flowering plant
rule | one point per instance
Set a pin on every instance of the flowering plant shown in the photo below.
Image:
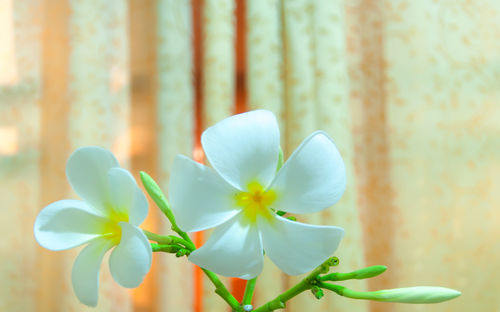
(245, 196)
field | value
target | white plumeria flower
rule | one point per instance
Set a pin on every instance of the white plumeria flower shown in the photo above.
(237, 197)
(112, 208)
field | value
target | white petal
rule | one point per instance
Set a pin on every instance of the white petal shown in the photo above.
(296, 247)
(234, 249)
(85, 272)
(312, 179)
(87, 172)
(199, 197)
(130, 261)
(126, 197)
(244, 148)
(68, 223)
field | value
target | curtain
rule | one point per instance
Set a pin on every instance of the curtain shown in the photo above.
(407, 89)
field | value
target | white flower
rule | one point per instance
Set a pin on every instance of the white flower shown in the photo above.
(112, 208)
(238, 197)
(418, 294)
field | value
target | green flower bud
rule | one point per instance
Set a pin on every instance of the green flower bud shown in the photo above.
(419, 294)
(157, 195)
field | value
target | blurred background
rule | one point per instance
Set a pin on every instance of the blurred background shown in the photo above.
(409, 90)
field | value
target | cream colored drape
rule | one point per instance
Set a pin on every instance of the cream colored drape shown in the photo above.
(409, 91)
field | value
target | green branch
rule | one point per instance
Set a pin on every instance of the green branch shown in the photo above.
(168, 243)
(174, 244)
(221, 290)
(169, 240)
(249, 289)
(368, 272)
(307, 283)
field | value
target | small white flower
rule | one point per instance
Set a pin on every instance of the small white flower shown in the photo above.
(418, 294)
(238, 197)
(112, 208)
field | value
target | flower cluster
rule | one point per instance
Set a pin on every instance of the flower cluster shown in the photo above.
(245, 196)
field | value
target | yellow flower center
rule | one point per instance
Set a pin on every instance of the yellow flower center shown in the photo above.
(256, 202)
(111, 229)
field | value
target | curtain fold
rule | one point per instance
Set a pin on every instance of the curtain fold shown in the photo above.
(265, 91)
(20, 159)
(408, 90)
(334, 117)
(99, 103)
(218, 60)
(175, 126)
(316, 85)
(218, 81)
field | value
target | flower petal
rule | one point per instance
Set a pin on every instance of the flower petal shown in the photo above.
(312, 179)
(244, 148)
(130, 261)
(87, 172)
(85, 272)
(200, 198)
(234, 249)
(126, 197)
(68, 223)
(296, 247)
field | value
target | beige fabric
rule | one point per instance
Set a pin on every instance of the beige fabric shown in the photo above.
(218, 60)
(175, 134)
(407, 89)
(218, 90)
(265, 91)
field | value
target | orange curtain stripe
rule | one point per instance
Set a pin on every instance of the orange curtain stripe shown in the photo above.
(196, 10)
(143, 149)
(240, 105)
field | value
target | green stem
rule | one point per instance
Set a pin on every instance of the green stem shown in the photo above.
(169, 240)
(349, 293)
(168, 244)
(368, 272)
(249, 289)
(222, 291)
(165, 248)
(307, 283)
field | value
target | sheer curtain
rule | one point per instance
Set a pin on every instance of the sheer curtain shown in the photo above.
(407, 89)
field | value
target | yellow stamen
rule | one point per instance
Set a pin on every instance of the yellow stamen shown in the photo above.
(111, 229)
(256, 202)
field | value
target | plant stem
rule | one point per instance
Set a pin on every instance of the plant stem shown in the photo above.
(222, 291)
(305, 284)
(161, 201)
(249, 289)
(169, 240)
(367, 272)
(165, 248)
